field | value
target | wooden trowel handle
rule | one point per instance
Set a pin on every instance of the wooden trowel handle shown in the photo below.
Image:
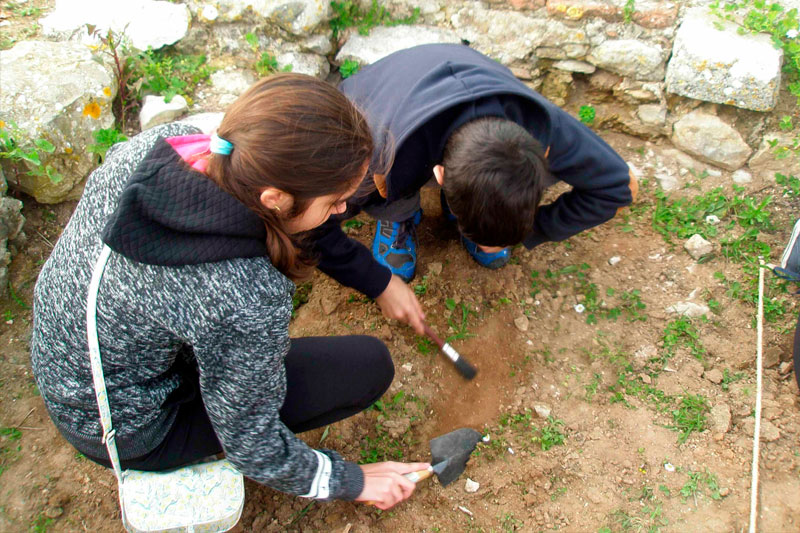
(414, 477)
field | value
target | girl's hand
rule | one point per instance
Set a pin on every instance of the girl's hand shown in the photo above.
(399, 302)
(384, 484)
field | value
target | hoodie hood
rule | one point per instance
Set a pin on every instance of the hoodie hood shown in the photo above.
(426, 81)
(171, 215)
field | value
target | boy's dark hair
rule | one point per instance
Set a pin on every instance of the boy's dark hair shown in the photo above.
(494, 177)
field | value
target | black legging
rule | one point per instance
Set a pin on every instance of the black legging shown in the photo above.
(327, 379)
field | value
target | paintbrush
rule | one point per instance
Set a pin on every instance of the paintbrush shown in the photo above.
(462, 365)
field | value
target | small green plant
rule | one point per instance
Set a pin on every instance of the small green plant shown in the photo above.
(167, 73)
(11, 434)
(681, 332)
(728, 378)
(301, 296)
(509, 523)
(591, 388)
(26, 158)
(349, 14)
(690, 416)
(694, 486)
(424, 345)
(41, 523)
(348, 68)
(266, 63)
(458, 323)
(422, 287)
(791, 185)
(103, 140)
(628, 10)
(586, 114)
(551, 434)
(353, 223)
(786, 123)
(381, 446)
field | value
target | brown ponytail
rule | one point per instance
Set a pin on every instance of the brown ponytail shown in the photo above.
(300, 135)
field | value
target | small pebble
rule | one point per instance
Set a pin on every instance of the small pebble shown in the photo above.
(614, 260)
(465, 510)
(471, 486)
(511, 451)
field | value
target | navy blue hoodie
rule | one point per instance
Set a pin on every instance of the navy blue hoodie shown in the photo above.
(416, 98)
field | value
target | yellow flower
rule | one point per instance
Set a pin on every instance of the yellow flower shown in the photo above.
(107, 91)
(2, 124)
(91, 110)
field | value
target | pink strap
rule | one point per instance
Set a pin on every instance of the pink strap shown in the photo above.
(191, 146)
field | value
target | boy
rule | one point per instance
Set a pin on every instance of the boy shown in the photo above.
(493, 145)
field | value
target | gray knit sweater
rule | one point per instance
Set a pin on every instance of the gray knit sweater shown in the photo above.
(230, 316)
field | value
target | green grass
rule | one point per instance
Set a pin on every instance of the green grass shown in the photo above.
(167, 73)
(681, 332)
(301, 295)
(379, 446)
(698, 483)
(348, 68)
(349, 14)
(690, 416)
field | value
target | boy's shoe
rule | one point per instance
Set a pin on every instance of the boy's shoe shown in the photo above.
(395, 246)
(790, 260)
(446, 213)
(493, 261)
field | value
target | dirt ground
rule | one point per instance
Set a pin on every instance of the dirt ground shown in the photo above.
(612, 461)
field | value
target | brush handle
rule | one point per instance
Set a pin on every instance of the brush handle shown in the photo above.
(462, 365)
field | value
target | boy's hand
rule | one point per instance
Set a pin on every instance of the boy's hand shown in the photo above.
(399, 302)
(384, 484)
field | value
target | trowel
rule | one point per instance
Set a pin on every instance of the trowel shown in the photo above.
(449, 456)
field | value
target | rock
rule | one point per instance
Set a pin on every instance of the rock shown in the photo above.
(397, 427)
(714, 375)
(572, 65)
(644, 354)
(710, 139)
(11, 235)
(232, 80)
(328, 305)
(382, 41)
(56, 92)
(697, 246)
(408, 367)
(144, 23)
(631, 58)
(556, 86)
(298, 17)
(769, 432)
(435, 268)
(613, 261)
(652, 114)
(471, 486)
(317, 44)
(690, 309)
(693, 368)
(771, 357)
(521, 322)
(206, 122)
(648, 13)
(156, 111)
(542, 410)
(310, 64)
(720, 418)
(742, 176)
(785, 367)
(509, 36)
(723, 66)
(764, 162)
(712, 219)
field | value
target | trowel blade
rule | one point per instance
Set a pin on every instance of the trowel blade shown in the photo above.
(456, 448)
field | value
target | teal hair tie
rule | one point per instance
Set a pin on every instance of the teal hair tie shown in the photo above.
(218, 145)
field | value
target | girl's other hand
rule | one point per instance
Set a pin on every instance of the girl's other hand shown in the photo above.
(384, 484)
(399, 302)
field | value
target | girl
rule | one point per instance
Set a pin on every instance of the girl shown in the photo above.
(195, 300)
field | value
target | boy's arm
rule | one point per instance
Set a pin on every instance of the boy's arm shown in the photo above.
(347, 261)
(600, 179)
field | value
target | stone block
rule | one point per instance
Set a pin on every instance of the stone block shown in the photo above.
(710, 139)
(298, 17)
(382, 41)
(722, 66)
(57, 92)
(144, 23)
(631, 58)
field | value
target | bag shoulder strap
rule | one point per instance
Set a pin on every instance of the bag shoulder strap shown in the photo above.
(97, 366)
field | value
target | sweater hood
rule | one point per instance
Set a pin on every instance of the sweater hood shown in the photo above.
(171, 215)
